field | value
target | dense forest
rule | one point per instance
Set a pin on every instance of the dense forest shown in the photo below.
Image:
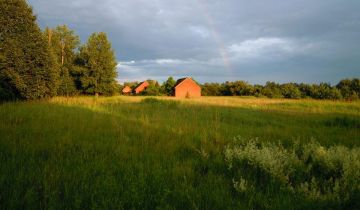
(36, 64)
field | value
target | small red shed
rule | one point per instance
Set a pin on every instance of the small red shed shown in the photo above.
(126, 90)
(141, 87)
(187, 87)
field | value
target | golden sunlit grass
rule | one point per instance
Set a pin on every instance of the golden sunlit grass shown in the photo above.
(127, 152)
(300, 105)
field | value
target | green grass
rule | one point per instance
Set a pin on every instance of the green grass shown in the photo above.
(163, 153)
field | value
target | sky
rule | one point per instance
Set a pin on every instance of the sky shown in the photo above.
(220, 40)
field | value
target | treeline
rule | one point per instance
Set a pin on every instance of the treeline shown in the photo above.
(348, 89)
(35, 64)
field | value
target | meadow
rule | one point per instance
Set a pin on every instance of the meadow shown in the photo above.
(166, 153)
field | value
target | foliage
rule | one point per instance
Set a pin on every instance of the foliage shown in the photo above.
(211, 89)
(350, 89)
(272, 90)
(99, 65)
(168, 86)
(347, 89)
(26, 64)
(290, 90)
(67, 84)
(64, 44)
(325, 91)
(237, 88)
(153, 89)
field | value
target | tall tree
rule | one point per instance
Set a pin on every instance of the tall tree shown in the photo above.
(64, 43)
(99, 65)
(153, 89)
(26, 64)
(168, 86)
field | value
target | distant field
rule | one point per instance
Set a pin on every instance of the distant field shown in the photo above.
(166, 153)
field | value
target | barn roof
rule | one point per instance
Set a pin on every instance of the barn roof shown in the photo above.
(144, 82)
(182, 79)
(126, 89)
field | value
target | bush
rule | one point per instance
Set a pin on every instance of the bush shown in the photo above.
(325, 91)
(153, 89)
(290, 91)
(272, 90)
(320, 174)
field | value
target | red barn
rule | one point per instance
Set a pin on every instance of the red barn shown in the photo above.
(126, 90)
(141, 87)
(186, 87)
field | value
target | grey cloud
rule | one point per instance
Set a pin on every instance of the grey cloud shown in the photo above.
(211, 40)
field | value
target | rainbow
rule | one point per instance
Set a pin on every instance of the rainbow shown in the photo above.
(215, 34)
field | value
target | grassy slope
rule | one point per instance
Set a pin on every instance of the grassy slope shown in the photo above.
(124, 152)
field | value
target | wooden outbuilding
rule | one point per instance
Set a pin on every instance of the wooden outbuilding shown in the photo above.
(187, 87)
(141, 87)
(126, 90)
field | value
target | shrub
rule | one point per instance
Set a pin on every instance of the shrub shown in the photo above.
(153, 89)
(311, 170)
(290, 91)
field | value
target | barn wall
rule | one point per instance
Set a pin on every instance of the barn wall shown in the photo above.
(188, 87)
(126, 90)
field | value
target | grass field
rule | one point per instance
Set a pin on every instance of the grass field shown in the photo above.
(165, 153)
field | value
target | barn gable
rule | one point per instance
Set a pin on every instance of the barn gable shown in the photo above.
(186, 87)
(126, 89)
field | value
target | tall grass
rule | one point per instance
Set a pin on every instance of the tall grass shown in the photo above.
(164, 153)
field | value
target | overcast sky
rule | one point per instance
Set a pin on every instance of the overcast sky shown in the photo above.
(220, 40)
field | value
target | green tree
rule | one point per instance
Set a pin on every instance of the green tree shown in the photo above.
(64, 44)
(257, 90)
(237, 88)
(154, 89)
(99, 65)
(325, 91)
(272, 90)
(26, 63)
(345, 88)
(290, 90)
(168, 86)
(355, 86)
(211, 89)
(305, 90)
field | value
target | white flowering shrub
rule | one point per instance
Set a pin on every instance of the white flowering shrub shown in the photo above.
(314, 171)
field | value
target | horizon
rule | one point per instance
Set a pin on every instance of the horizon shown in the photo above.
(210, 41)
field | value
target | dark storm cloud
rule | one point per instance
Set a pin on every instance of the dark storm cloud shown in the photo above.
(211, 40)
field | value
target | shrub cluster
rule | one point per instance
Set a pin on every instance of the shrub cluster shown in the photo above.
(329, 175)
(348, 89)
